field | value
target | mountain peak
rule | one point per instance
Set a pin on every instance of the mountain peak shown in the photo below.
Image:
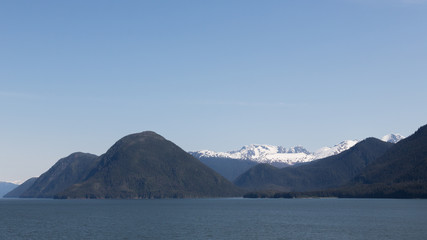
(392, 138)
(329, 151)
(137, 139)
(145, 134)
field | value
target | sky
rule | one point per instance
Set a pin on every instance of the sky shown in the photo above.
(80, 75)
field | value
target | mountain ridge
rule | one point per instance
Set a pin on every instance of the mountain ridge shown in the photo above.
(276, 155)
(325, 173)
(398, 173)
(280, 156)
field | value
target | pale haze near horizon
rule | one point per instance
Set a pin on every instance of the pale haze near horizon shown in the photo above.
(79, 75)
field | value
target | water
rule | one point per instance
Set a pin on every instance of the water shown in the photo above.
(214, 219)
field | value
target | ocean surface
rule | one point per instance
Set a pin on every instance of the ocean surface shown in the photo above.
(214, 219)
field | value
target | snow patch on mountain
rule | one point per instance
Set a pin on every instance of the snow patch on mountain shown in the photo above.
(392, 138)
(329, 151)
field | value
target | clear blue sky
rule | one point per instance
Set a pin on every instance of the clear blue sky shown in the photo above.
(79, 75)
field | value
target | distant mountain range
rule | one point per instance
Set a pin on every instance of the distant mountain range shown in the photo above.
(370, 169)
(330, 172)
(146, 165)
(6, 187)
(281, 156)
(278, 156)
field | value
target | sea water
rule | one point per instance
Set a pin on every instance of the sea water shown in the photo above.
(233, 218)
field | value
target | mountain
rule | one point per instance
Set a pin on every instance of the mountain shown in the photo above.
(280, 156)
(248, 156)
(337, 149)
(260, 154)
(276, 155)
(330, 172)
(16, 192)
(234, 163)
(399, 173)
(66, 172)
(146, 165)
(6, 187)
(392, 138)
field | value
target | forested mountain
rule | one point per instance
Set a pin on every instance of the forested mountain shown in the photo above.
(330, 172)
(16, 192)
(234, 163)
(66, 172)
(146, 165)
(401, 172)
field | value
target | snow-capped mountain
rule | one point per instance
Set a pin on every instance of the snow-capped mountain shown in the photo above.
(253, 151)
(277, 155)
(281, 156)
(392, 138)
(262, 154)
(329, 151)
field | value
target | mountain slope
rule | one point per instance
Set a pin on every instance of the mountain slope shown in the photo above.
(6, 187)
(16, 192)
(145, 165)
(399, 173)
(407, 160)
(324, 173)
(66, 172)
(228, 167)
(337, 149)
